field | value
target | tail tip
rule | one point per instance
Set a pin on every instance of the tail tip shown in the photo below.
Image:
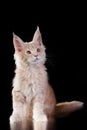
(82, 104)
(79, 104)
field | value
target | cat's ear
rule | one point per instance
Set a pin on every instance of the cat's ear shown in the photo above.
(18, 43)
(37, 38)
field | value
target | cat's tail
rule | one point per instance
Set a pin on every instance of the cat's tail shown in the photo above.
(65, 108)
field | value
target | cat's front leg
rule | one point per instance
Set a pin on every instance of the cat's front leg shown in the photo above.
(38, 112)
(18, 96)
(19, 101)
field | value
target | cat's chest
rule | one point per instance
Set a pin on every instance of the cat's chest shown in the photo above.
(32, 82)
(32, 89)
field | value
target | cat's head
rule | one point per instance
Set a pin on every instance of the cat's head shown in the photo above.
(30, 52)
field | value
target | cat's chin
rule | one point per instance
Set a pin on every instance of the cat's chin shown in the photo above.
(34, 61)
(37, 61)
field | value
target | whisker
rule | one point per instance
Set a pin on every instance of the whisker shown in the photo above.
(49, 61)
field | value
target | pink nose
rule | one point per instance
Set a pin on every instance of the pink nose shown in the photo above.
(35, 55)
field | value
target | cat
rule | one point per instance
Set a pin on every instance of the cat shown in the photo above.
(32, 95)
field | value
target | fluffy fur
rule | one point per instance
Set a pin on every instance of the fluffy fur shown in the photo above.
(33, 97)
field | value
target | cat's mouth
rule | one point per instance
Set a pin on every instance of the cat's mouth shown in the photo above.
(36, 59)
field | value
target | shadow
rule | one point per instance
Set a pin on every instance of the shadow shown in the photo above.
(33, 125)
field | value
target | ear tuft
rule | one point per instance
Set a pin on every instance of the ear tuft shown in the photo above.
(38, 28)
(37, 38)
(13, 34)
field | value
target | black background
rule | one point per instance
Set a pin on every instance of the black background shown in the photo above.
(63, 29)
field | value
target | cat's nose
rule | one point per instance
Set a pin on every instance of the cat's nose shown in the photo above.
(35, 55)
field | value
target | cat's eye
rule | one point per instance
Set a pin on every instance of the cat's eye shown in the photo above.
(38, 49)
(28, 52)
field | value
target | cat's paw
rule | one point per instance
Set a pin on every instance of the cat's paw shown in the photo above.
(41, 118)
(15, 119)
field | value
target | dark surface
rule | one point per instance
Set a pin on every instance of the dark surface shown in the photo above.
(63, 30)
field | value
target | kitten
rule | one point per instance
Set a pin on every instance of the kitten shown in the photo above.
(33, 97)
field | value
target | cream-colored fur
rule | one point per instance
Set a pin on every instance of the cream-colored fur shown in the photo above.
(33, 97)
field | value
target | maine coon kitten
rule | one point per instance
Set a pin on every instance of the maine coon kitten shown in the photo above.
(32, 94)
